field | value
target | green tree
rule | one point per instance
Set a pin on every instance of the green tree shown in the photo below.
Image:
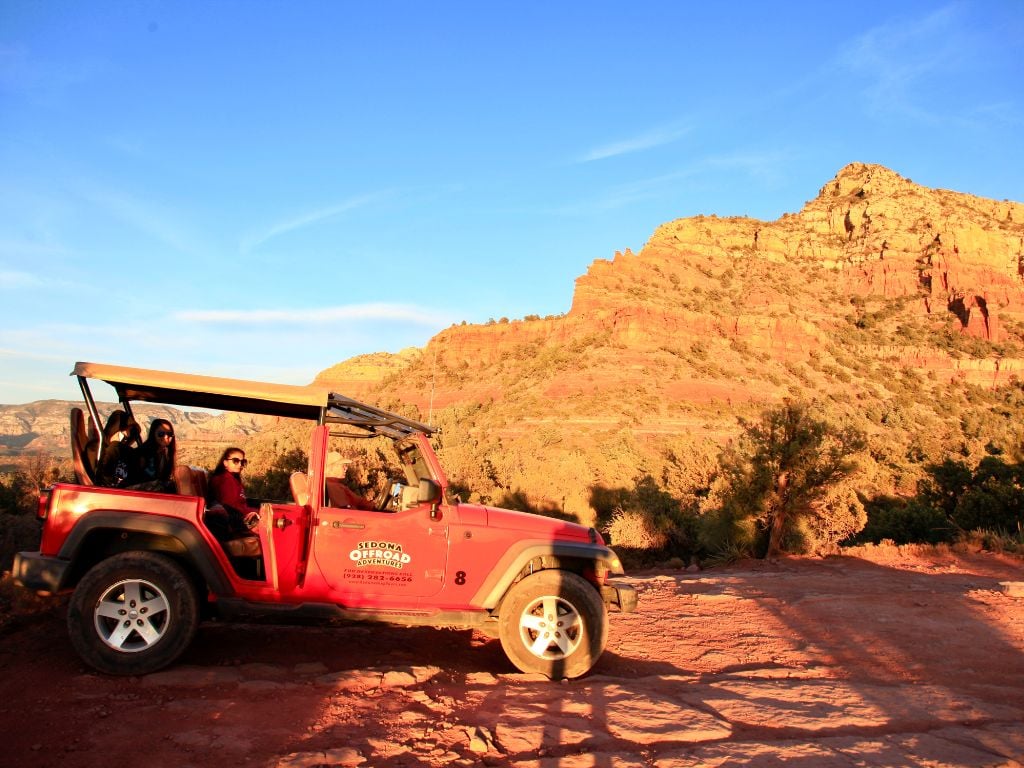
(272, 485)
(990, 496)
(786, 476)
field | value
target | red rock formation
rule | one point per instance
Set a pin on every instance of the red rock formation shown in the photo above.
(779, 289)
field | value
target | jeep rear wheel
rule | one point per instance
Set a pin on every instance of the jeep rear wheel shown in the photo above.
(133, 613)
(555, 623)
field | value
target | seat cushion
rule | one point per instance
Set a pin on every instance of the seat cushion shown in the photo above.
(244, 546)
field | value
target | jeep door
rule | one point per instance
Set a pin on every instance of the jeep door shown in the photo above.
(400, 554)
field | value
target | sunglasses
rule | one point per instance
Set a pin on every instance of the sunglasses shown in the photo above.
(163, 433)
(236, 460)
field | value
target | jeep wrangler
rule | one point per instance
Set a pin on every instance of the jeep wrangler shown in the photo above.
(143, 569)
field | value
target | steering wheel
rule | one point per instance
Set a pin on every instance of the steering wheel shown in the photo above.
(385, 499)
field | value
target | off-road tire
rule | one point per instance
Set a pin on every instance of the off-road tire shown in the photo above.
(133, 613)
(554, 623)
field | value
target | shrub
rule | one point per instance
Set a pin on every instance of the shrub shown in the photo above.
(836, 516)
(272, 485)
(994, 541)
(777, 489)
(904, 522)
(644, 517)
(729, 533)
(635, 530)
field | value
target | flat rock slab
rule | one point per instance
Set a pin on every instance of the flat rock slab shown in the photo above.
(1012, 588)
(986, 747)
(825, 705)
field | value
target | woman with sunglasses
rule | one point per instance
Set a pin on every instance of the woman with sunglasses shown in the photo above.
(155, 459)
(228, 511)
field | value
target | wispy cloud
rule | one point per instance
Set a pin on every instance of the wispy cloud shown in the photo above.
(767, 166)
(29, 249)
(145, 216)
(654, 137)
(318, 316)
(895, 57)
(17, 279)
(32, 355)
(42, 81)
(622, 195)
(307, 219)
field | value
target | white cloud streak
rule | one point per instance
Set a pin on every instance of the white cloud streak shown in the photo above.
(766, 166)
(895, 57)
(307, 219)
(16, 279)
(654, 137)
(317, 316)
(145, 217)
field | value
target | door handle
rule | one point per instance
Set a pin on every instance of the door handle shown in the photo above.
(349, 524)
(282, 523)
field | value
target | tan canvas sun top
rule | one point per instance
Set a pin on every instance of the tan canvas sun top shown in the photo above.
(186, 389)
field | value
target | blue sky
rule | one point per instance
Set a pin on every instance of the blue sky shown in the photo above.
(263, 189)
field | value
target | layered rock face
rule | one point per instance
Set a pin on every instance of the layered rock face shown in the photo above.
(872, 232)
(788, 290)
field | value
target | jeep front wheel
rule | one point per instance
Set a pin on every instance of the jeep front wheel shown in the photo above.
(133, 613)
(555, 623)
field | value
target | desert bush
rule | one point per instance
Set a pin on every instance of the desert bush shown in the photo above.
(635, 530)
(20, 529)
(993, 540)
(272, 485)
(19, 491)
(835, 517)
(729, 533)
(645, 516)
(903, 521)
(777, 489)
(990, 496)
(994, 498)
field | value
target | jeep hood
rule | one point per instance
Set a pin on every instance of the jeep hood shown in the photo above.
(534, 525)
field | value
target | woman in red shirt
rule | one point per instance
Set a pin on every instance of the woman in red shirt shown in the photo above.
(226, 491)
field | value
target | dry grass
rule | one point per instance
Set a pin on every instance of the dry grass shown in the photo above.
(886, 552)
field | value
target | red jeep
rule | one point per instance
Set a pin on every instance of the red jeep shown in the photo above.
(144, 567)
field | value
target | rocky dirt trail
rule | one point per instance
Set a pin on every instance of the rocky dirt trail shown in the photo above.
(838, 662)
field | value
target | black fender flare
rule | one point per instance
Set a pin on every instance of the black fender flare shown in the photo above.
(197, 549)
(512, 563)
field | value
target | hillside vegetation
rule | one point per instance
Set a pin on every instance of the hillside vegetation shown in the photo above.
(881, 329)
(887, 309)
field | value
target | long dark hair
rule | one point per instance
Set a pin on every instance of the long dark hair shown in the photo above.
(152, 446)
(220, 469)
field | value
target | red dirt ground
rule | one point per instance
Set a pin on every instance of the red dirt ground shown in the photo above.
(886, 659)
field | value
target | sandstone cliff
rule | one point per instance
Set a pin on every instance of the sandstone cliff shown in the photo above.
(870, 240)
(880, 294)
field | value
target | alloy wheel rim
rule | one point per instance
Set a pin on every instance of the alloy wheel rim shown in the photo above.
(132, 615)
(550, 628)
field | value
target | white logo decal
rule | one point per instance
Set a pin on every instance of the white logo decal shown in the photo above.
(384, 553)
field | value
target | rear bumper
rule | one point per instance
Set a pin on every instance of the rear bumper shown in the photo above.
(39, 572)
(620, 594)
